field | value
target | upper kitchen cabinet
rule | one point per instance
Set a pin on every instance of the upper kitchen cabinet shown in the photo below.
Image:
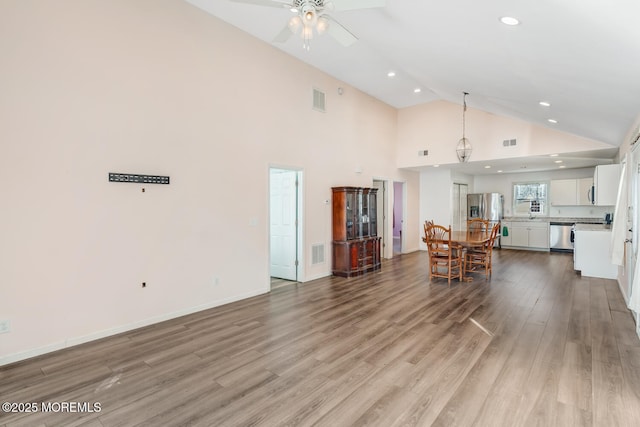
(564, 192)
(585, 191)
(571, 192)
(605, 184)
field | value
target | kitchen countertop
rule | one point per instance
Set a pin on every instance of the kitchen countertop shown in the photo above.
(593, 227)
(570, 220)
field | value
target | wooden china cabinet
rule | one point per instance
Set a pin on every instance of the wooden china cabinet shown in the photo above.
(356, 245)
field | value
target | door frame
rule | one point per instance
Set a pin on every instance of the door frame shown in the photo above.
(391, 200)
(383, 196)
(632, 234)
(300, 270)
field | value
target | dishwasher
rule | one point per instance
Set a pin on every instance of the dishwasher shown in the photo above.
(560, 237)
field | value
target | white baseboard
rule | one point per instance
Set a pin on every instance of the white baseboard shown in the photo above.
(622, 291)
(636, 316)
(73, 341)
(316, 277)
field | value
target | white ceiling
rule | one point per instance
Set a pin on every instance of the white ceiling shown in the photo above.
(581, 56)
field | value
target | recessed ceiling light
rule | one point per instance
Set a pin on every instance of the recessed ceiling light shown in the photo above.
(500, 171)
(562, 166)
(557, 161)
(553, 155)
(417, 90)
(487, 167)
(391, 74)
(509, 20)
(552, 121)
(544, 104)
(436, 166)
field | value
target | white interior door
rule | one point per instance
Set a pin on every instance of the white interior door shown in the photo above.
(283, 223)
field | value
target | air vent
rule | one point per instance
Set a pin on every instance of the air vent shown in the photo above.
(317, 254)
(423, 153)
(318, 100)
(508, 142)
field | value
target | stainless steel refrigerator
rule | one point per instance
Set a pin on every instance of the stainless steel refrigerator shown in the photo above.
(489, 206)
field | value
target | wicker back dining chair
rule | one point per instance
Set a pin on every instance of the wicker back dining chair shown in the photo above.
(428, 223)
(445, 258)
(481, 256)
(477, 224)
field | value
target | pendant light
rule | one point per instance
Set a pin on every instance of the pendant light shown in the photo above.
(464, 146)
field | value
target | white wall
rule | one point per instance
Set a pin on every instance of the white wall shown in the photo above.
(435, 199)
(158, 87)
(437, 127)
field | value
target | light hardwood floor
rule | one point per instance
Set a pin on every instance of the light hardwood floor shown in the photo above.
(535, 345)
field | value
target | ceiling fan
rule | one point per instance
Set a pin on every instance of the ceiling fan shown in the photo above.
(310, 16)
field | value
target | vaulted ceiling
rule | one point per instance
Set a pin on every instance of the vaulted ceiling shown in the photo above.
(580, 56)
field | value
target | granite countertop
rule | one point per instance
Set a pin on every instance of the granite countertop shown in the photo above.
(571, 220)
(593, 227)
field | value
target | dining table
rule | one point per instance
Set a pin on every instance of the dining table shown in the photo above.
(467, 239)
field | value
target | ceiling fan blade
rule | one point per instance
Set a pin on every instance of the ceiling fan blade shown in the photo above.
(356, 4)
(283, 35)
(268, 3)
(340, 33)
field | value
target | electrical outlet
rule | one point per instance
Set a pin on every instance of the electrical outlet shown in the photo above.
(216, 281)
(5, 326)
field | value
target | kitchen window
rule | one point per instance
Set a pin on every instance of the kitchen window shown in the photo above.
(530, 198)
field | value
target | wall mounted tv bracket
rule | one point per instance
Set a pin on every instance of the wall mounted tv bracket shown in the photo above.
(138, 179)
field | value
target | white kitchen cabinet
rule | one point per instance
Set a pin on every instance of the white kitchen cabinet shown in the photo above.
(519, 235)
(506, 240)
(564, 192)
(592, 251)
(585, 191)
(528, 234)
(539, 237)
(605, 182)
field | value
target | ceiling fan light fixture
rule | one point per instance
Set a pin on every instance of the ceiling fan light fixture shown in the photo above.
(307, 32)
(295, 23)
(309, 15)
(322, 25)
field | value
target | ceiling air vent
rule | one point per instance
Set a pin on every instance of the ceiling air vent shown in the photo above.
(508, 142)
(318, 100)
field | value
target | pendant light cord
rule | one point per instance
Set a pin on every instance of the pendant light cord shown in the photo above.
(464, 110)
